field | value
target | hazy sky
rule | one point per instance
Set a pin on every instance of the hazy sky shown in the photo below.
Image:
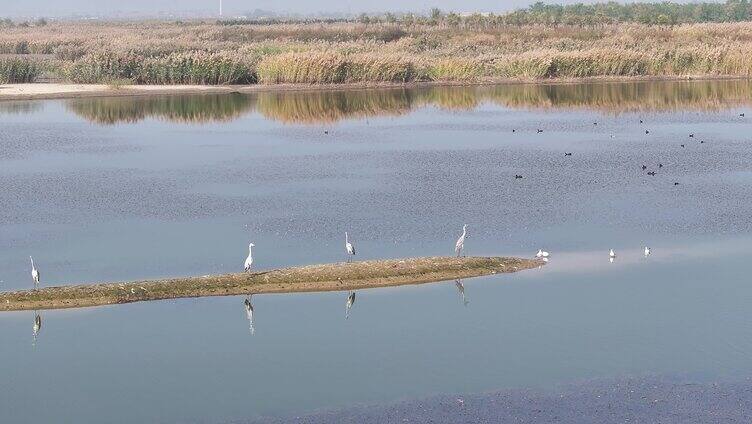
(68, 7)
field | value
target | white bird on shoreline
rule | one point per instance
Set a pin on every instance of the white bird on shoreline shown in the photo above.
(461, 241)
(541, 254)
(249, 313)
(349, 247)
(249, 260)
(647, 251)
(611, 255)
(349, 304)
(34, 273)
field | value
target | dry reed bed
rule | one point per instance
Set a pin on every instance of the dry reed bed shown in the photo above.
(206, 53)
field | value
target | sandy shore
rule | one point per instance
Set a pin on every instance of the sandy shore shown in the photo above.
(326, 277)
(69, 91)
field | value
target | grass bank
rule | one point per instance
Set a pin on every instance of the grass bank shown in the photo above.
(326, 277)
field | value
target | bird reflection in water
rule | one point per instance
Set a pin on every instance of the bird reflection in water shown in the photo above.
(461, 289)
(37, 327)
(349, 304)
(249, 314)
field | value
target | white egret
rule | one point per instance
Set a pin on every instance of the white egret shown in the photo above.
(349, 304)
(461, 241)
(541, 254)
(34, 273)
(611, 255)
(349, 247)
(249, 314)
(249, 259)
(647, 251)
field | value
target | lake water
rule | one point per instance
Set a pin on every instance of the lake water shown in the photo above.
(114, 189)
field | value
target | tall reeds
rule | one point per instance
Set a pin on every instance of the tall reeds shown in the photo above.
(199, 68)
(19, 70)
(314, 53)
(334, 68)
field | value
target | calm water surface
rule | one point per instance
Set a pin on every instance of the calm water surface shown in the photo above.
(126, 188)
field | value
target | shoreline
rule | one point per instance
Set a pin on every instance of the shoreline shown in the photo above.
(52, 91)
(311, 278)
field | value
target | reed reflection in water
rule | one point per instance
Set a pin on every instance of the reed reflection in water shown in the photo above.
(330, 106)
(20, 107)
(204, 108)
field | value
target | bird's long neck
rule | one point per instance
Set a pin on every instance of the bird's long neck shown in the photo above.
(32, 261)
(464, 231)
(250, 250)
(347, 239)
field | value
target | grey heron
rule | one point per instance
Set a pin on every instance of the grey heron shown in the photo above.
(34, 273)
(349, 247)
(461, 241)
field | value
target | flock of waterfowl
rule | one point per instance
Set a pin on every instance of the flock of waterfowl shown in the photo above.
(644, 167)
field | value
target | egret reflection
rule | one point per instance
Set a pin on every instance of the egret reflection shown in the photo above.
(36, 328)
(461, 290)
(349, 304)
(249, 314)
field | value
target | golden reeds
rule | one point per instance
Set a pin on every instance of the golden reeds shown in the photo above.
(315, 53)
(19, 70)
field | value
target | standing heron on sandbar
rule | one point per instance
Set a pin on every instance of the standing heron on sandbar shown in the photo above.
(461, 241)
(349, 304)
(349, 248)
(34, 274)
(249, 259)
(249, 314)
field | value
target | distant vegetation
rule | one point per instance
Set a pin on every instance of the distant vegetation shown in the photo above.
(664, 13)
(539, 42)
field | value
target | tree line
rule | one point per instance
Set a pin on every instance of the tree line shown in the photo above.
(664, 13)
